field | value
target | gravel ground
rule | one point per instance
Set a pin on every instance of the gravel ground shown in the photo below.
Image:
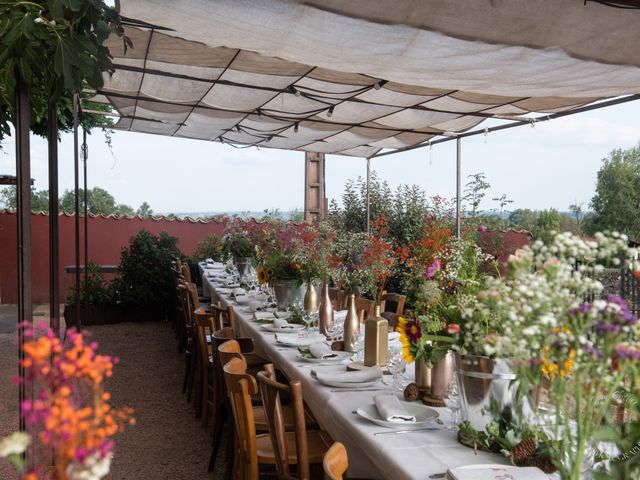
(167, 442)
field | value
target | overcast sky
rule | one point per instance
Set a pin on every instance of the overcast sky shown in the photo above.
(551, 165)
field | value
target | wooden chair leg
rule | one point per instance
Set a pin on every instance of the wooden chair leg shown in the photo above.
(187, 368)
(219, 421)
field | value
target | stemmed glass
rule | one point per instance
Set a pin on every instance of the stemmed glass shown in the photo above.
(452, 402)
(356, 342)
(396, 365)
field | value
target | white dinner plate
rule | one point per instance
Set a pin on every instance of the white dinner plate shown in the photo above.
(337, 384)
(423, 414)
(340, 357)
(291, 327)
(293, 340)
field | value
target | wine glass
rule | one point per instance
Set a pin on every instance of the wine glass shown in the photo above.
(452, 402)
(356, 342)
(396, 364)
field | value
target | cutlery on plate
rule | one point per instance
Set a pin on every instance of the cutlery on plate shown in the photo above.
(400, 432)
(358, 389)
(438, 475)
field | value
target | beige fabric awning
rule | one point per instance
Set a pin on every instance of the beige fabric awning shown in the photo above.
(353, 78)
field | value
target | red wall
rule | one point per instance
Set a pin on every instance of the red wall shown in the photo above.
(107, 237)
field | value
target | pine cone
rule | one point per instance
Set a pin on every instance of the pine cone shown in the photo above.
(337, 346)
(543, 463)
(411, 392)
(523, 450)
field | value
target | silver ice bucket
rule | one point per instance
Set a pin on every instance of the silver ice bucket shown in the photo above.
(288, 292)
(487, 390)
(244, 266)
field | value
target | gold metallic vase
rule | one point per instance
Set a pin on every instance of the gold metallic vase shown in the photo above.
(325, 316)
(311, 300)
(351, 324)
(376, 340)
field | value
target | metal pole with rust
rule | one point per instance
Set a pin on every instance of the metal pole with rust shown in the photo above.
(368, 196)
(86, 221)
(54, 253)
(458, 187)
(23, 213)
(76, 168)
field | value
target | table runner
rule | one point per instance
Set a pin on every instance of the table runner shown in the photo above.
(395, 457)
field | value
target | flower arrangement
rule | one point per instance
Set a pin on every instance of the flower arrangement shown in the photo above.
(276, 250)
(426, 338)
(211, 246)
(548, 317)
(71, 412)
(314, 245)
(236, 240)
(378, 261)
(346, 262)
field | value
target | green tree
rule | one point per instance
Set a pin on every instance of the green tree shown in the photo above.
(577, 212)
(58, 48)
(523, 219)
(99, 201)
(616, 203)
(548, 225)
(144, 210)
(39, 199)
(474, 191)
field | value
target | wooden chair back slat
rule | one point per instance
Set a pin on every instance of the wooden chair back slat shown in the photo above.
(365, 307)
(186, 273)
(240, 387)
(335, 462)
(338, 298)
(395, 299)
(225, 316)
(271, 391)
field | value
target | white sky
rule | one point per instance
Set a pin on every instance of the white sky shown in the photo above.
(551, 165)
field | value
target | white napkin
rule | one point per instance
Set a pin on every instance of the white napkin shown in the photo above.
(391, 410)
(224, 290)
(239, 291)
(280, 322)
(321, 350)
(339, 315)
(293, 340)
(368, 374)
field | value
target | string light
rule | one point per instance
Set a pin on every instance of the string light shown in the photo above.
(295, 128)
(330, 111)
(486, 132)
(378, 85)
(259, 112)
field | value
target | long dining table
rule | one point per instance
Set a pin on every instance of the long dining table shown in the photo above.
(421, 454)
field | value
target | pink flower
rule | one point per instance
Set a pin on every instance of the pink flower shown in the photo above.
(482, 228)
(433, 269)
(452, 328)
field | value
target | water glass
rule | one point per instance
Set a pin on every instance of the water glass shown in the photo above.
(396, 365)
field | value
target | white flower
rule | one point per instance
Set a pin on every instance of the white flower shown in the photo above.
(93, 468)
(14, 444)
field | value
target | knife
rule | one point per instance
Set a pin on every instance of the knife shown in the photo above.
(400, 432)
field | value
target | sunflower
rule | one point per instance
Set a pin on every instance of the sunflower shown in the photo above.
(262, 275)
(404, 339)
(270, 272)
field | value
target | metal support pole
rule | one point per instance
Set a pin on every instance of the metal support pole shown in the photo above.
(23, 185)
(458, 187)
(368, 196)
(54, 255)
(76, 168)
(86, 221)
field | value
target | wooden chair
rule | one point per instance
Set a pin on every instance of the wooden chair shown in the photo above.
(205, 327)
(396, 301)
(301, 447)
(196, 299)
(186, 273)
(365, 307)
(187, 341)
(338, 298)
(335, 462)
(224, 316)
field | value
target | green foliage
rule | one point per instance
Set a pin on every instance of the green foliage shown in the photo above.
(616, 203)
(144, 274)
(57, 46)
(474, 191)
(548, 225)
(94, 290)
(39, 199)
(144, 210)
(99, 201)
(209, 247)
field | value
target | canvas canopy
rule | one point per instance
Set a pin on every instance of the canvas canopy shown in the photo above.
(356, 77)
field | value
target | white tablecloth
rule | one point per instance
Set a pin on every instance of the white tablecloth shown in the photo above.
(395, 457)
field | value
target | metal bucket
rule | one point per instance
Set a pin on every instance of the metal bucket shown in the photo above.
(244, 266)
(442, 374)
(288, 292)
(487, 390)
